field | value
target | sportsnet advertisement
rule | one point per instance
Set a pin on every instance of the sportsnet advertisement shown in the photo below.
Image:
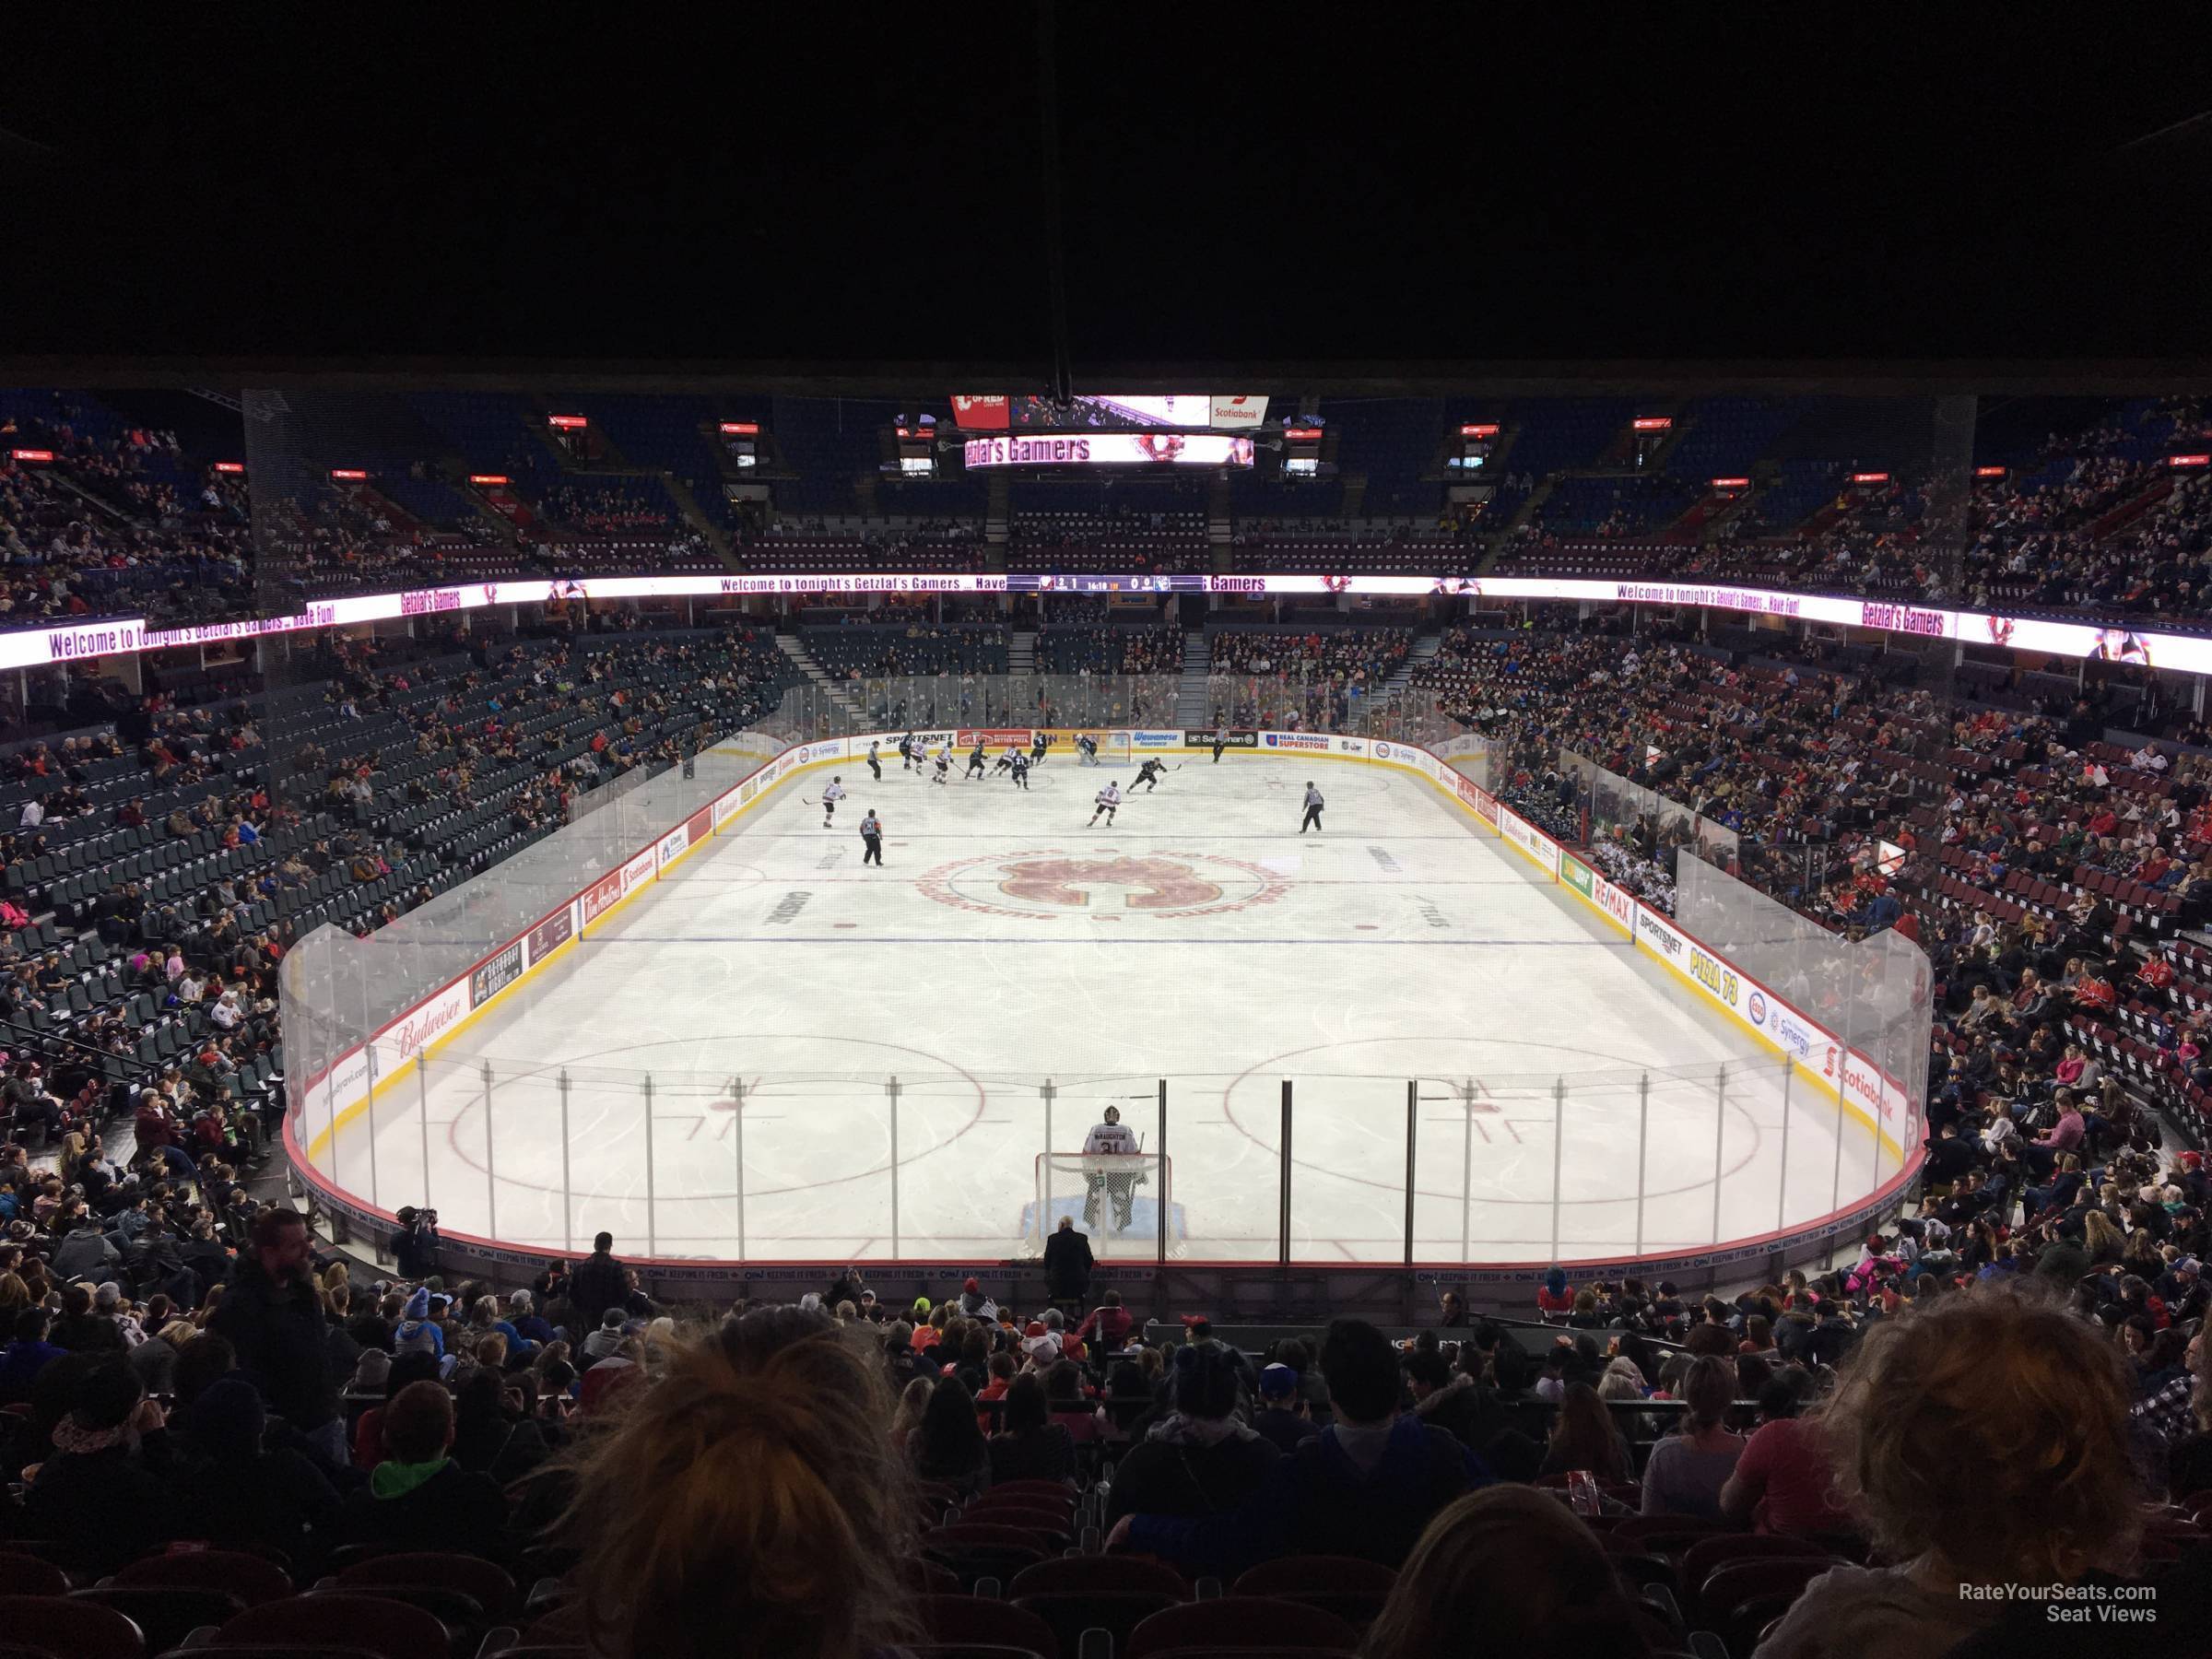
(1229, 738)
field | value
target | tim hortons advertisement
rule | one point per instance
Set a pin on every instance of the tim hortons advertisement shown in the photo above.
(496, 975)
(1227, 739)
(599, 898)
(551, 933)
(1484, 805)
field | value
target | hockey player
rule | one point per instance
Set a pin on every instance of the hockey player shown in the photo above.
(1219, 742)
(1108, 798)
(874, 760)
(1021, 771)
(1149, 775)
(1007, 760)
(1108, 1140)
(832, 792)
(907, 754)
(1087, 747)
(944, 763)
(975, 761)
(1041, 741)
(871, 837)
(1313, 809)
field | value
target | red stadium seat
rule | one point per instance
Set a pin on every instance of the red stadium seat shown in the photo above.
(249, 1577)
(472, 1575)
(965, 1618)
(1099, 1575)
(70, 1629)
(391, 1630)
(1242, 1621)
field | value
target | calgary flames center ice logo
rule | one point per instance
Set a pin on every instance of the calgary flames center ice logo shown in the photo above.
(1106, 886)
(1146, 883)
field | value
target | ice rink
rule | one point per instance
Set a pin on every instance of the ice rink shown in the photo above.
(722, 1050)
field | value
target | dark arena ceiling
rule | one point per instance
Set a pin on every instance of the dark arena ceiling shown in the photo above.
(1408, 200)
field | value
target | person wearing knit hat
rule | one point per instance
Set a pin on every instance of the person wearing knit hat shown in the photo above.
(607, 1338)
(417, 1333)
(974, 1304)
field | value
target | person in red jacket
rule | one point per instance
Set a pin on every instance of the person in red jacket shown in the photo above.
(1109, 1320)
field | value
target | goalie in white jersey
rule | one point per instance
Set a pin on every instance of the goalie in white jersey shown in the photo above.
(1113, 1143)
(832, 792)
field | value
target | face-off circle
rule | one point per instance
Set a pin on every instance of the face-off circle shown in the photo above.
(1053, 882)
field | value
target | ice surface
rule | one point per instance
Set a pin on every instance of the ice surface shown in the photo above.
(1006, 945)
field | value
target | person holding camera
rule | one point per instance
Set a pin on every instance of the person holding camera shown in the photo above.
(415, 1246)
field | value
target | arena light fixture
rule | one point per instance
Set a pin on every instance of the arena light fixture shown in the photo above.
(349, 475)
(229, 466)
(739, 429)
(568, 423)
(1652, 423)
(488, 480)
(38, 457)
(1479, 429)
(2189, 461)
(1870, 478)
(1989, 472)
(1731, 483)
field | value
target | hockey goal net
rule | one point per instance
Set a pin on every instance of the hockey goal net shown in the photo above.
(1107, 1193)
(1112, 745)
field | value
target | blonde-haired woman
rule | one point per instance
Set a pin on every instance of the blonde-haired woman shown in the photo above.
(748, 1502)
(1982, 1439)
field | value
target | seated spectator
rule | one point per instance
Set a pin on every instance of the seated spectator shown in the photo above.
(1506, 1570)
(1366, 1485)
(914, 1400)
(749, 1502)
(27, 1353)
(1585, 1437)
(234, 1492)
(1198, 1460)
(104, 1492)
(1032, 1447)
(419, 1497)
(1283, 1419)
(946, 1446)
(1783, 1482)
(1688, 1468)
(2009, 1468)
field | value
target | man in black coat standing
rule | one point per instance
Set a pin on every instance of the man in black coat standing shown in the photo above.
(273, 1316)
(598, 1283)
(1067, 1265)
